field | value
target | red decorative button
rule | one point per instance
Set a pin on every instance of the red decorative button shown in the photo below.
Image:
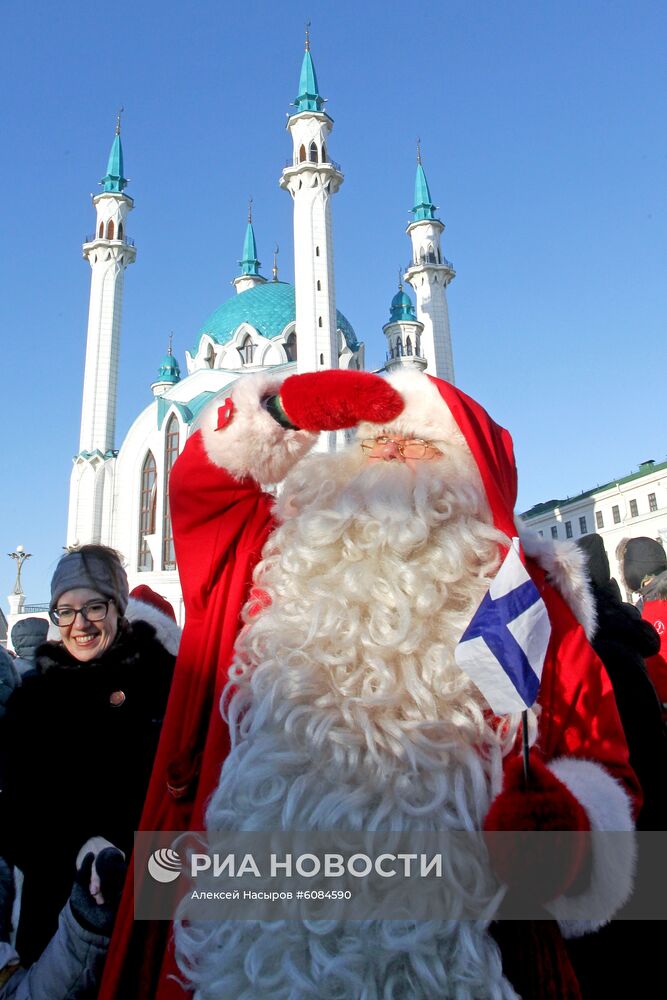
(225, 413)
(116, 698)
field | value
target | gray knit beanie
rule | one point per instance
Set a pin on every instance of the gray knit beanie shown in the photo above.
(94, 567)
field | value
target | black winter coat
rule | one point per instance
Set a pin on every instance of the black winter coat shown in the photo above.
(79, 764)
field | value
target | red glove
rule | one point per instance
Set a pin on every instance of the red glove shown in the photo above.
(539, 868)
(334, 399)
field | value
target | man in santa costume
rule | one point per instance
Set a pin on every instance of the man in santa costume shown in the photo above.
(345, 707)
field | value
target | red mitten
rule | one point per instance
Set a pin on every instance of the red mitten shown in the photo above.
(332, 400)
(521, 826)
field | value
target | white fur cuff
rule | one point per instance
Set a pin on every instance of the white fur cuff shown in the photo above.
(167, 631)
(613, 845)
(251, 443)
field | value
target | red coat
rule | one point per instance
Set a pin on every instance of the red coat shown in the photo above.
(221, 522)
(655, 612)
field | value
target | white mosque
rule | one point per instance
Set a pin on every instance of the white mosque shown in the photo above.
(119, 493)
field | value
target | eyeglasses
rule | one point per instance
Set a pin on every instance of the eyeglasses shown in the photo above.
(413, 448)
(93, 611)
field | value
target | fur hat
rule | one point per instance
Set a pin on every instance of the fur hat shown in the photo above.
(642, 557)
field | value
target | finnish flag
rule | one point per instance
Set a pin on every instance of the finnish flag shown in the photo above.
(504, 646)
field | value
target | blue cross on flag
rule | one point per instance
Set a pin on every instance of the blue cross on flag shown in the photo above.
(504, 646)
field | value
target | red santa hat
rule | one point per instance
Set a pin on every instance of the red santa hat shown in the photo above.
(437, 411)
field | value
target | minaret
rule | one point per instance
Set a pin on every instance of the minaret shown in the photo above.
(404, 334)
(429, 273)
(311, 180)
(249, 276)
(169, 372)
(108, 251)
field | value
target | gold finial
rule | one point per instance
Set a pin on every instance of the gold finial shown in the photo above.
(274, 270)
(250, 209)
(118, 114)
(307, 36)
(170, 349)
(419, 150)
(400, 279)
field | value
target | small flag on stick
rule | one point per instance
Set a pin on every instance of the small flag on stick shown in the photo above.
(504, 646)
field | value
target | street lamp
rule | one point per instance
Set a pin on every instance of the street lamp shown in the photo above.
(19, 555)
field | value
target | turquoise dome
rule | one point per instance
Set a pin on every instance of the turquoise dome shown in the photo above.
(401, 308)
(169, 370)
(269, 308)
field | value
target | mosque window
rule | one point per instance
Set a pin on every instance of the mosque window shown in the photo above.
(398, 348)
(110, 229)
(321, 359)
(290, 347)
(302, 154)
(312, 152)
(319, 321)
(147, 511)
(325, 158)
(317, 251)
(418, 347)
(248, 350)
(430, 254)
(171, 443)
(319, 285)
(209, 359)
(408, 346)
(120, 230)
(101, 232)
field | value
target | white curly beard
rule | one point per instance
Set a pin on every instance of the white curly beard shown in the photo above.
(349, 712)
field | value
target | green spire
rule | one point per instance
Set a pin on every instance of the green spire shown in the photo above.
(309, 95)
(249, 264)
(114, 180)
(423, 207)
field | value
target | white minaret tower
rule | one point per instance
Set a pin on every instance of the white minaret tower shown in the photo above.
(404, 335)
(311, 180)
(429, 273)
(108, 251)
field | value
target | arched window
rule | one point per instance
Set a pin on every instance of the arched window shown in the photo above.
(317, 251)
(171, 444)
(418, 350)
(101, 232)
(325, 159)
(398, 348)
(408, 346)
(209, 359)
(248, 350)
(319, 321)
(120, 230)
(319, 285)
(290, 347)
(110, 229)
(147, 496)
(312, 152)
(302, 154)
(430, 256)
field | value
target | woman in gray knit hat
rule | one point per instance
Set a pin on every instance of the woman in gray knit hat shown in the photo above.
(82, 733)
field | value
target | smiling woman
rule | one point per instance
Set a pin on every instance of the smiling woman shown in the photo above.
(82, 732)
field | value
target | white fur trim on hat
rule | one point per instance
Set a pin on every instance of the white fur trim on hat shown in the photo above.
(425, 414)
(609, 812)
(565, 565)
(167, 631)
(252, 443)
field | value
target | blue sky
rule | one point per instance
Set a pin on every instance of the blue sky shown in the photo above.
(544, 143)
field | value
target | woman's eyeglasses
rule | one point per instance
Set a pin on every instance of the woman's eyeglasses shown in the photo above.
(93, 611)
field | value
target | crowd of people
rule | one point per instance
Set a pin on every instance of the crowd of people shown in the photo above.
(319, 685)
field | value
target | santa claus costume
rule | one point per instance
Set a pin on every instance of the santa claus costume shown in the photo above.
(345, 706)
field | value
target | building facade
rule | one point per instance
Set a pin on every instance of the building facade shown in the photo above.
(633, 506)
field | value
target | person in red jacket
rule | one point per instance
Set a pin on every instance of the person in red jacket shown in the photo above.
(645, 573)
(355, 587)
